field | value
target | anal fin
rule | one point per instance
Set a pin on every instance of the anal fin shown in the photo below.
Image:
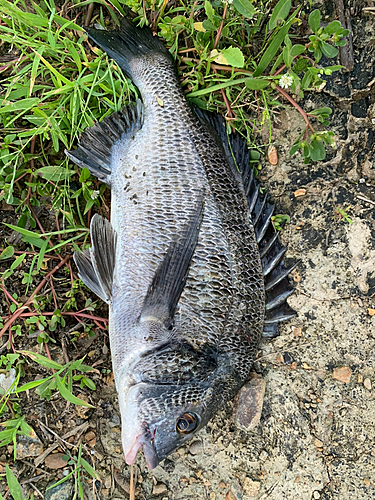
(96, 265)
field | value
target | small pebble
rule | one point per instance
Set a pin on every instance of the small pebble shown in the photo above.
(359, 378)
(251, 403)
(222, 485)
(367, 383)
(251, 488)
(318, 443)
(159, 489)
(230, 496)
(342, 374)
(195, 447)
(299, 192)
(55, 461)
(316, 495)
(28, 446)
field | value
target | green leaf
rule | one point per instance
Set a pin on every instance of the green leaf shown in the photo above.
(208, 26)
(321, 111)
(233, 57)
(244, 7)
(328, 50)
(42, 360)
(42, 251)
(20, 105)
(318, 151)
(17, 261)
(89, 469)
(274, 46)
(209, 10)
(332, 27)
(279, 13)
(297, 50)
(66, 394)
(55, 173)
(22, 231)
(7, 253)
(257, 83)
(13, 484)
(294, 149)
(314, 20)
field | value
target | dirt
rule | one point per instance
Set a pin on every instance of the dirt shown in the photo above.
(315, 438)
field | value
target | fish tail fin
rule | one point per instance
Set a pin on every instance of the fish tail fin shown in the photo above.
(129, 42)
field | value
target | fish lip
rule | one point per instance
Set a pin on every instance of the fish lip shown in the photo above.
(144, 441)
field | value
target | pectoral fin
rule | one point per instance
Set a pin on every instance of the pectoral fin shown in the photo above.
(95, 147)
(170, 278)
(96, 265)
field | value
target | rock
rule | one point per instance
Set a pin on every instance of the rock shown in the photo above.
(316, 495)
(195, 447)
(7, 379)
(62, 491)
(56, 461)
(367, 383)
(90, 438)
(342, 374)
(159, 489)
(251, 403)
(318, 443)
(29, 446)
(230, 496)
(251, 488)
(299, 192)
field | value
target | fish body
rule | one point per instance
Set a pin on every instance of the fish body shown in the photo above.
(179, 264)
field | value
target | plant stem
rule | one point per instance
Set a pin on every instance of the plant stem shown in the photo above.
(298, 108)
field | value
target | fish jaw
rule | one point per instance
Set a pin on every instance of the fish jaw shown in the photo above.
(135, 434)
(145, 442)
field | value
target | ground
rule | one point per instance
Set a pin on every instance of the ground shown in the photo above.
(315, 438)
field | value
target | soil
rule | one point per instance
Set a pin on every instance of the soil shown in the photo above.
(315, 438)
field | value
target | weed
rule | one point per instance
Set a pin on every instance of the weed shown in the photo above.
(342, 215)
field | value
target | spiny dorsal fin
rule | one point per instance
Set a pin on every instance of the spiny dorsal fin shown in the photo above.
(95, 147)
(275, 274)
(168, 283)
(96, 266)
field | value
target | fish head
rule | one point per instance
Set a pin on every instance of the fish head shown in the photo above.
(161, 418)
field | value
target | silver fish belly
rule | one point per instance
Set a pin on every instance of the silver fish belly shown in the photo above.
(189, 264)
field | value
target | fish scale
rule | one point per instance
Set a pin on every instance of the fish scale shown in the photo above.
(179, 264)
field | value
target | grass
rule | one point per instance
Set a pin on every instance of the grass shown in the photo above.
(244, 60)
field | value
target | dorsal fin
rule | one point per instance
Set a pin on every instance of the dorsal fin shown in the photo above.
(168, 283)
(95, 146)
(275, 274)
(96, 265)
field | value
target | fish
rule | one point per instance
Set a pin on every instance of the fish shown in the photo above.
(189, 264)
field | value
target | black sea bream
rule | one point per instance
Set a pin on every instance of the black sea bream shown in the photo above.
(189, 264)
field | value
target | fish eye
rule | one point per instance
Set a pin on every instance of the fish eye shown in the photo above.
(187, 423)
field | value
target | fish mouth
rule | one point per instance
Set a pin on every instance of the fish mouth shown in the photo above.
(145, 442)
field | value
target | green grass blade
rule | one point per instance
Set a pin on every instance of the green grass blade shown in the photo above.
(274, 45)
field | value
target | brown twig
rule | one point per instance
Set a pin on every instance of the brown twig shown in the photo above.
(218, 35)
(294, 104)
(27, 304)
(90, 10)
